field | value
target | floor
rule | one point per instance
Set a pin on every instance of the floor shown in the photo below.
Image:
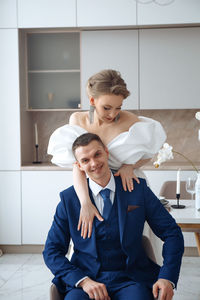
(25, 277)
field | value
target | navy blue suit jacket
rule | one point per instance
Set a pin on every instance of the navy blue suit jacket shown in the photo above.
(134, 208)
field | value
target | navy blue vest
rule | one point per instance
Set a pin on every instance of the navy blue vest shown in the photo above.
(110, 254)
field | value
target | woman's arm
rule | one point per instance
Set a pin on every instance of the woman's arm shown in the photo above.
(126, 172)
(141, 163)
(88, 210)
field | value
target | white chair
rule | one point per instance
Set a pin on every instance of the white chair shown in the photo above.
(168, 190)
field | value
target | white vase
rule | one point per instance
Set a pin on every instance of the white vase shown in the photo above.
(197, 192)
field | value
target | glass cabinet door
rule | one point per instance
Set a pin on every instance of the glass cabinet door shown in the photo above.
(53, 63)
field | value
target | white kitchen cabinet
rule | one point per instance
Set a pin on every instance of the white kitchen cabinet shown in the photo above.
(157, 178)
(176, 12)
(106, 12)
(46, 13)
(10, 208)
(111, 49)
(40, 196)
(8, 14)
(169, 68)
(9, 99)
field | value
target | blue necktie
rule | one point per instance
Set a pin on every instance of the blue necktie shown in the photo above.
(105, 194)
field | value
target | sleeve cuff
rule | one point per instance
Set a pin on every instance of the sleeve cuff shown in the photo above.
(173, 285)
(77, 283)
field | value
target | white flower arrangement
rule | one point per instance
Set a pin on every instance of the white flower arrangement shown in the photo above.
(166, 153)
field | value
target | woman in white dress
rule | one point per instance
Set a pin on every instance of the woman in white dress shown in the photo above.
(131, 141)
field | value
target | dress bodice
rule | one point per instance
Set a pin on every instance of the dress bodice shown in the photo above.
(143, 140)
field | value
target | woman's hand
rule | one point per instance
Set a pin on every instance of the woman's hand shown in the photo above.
(127, 175)
(87, 213)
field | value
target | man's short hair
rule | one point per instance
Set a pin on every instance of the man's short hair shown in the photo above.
(85, 139)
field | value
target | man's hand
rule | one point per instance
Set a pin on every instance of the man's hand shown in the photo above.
(164, 289)
(95, 290)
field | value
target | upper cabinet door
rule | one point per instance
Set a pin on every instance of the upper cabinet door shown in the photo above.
(170, 68)
(53, 70)
(8, 14)
(112, 49)
(46, 13)
(9, 113)
(106, 12)
(168, 12)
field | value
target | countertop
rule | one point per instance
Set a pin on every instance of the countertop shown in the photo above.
(43, 167)
(168, 166)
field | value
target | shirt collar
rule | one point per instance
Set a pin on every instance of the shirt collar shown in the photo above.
(96, 188)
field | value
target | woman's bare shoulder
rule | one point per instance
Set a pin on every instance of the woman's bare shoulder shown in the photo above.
(129, 118)
(78, 118)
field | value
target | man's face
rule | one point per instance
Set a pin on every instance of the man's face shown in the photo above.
(93, 159)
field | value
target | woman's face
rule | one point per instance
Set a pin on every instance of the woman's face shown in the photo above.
(107, 107)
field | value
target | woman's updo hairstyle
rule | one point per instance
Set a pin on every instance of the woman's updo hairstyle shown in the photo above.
(106, 82)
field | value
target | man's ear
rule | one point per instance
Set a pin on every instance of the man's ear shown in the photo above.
(79, 166)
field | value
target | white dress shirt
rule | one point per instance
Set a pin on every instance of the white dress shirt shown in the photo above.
(96, 189)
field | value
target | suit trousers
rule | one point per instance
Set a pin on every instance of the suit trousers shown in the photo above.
(136, 291)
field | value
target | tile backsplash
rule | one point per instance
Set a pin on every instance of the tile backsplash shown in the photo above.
(181, 128)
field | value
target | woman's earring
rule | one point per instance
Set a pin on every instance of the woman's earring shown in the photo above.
(117, 118)
(91, 114)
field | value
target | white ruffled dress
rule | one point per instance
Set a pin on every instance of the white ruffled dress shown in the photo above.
(143, 140)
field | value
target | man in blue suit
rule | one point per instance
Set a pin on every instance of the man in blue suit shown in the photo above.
(112, 264)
